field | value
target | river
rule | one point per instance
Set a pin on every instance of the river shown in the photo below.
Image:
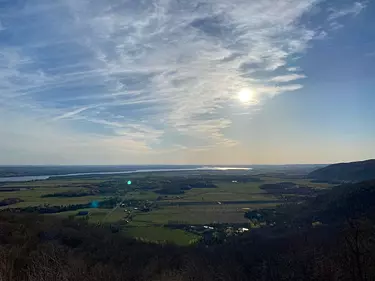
(45, 177)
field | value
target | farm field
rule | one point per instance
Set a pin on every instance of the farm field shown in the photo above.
(196, 214)
(227, 192)
(154, 233)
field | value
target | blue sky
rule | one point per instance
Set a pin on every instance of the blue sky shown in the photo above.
(141, 82)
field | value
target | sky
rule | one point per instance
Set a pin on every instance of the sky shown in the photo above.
(186, 82)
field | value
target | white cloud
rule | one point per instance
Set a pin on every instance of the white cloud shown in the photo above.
(293, 69)
(334, 25)
(275, 90)
(352, 10)
(194, 54)
(321, 35)
(41, 142)
(336, 14)
(287, 78)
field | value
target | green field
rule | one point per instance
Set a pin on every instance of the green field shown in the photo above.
(151, 232)
(226, 192)
(195, 214)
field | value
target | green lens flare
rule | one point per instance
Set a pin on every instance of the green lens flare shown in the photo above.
(129, 182)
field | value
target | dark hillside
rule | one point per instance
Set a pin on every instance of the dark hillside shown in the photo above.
(353, 172)
(349, 201)
(33, 247)
(333, 207)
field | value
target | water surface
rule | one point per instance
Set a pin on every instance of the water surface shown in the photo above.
(145, 170)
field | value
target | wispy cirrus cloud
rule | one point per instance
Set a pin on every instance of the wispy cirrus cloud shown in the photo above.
(352, 10)
(71, 113)
(199, 65)
(151, 74)
(293, 69)
(287, 78)
(336, 14)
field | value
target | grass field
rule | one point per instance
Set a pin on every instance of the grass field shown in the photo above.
(142, 195)
(159, 234)
(226, 192)
(194, 214)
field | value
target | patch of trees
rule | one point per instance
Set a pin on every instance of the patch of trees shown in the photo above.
(170, 191)
(78, 193)
(248, 179)
(119, 187)
(109, 203)
(180, 186)
(202, 185)
(288, 188)
(10, 201)
(8, 189)
(48, 209)
(326, 181)
(109, 187)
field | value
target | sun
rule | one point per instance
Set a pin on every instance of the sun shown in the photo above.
(245, 95)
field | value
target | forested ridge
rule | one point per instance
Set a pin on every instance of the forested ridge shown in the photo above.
(36, 247)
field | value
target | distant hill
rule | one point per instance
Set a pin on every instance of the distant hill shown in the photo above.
(352, 201)
(353, 172)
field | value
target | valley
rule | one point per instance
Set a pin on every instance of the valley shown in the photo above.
(155, 202)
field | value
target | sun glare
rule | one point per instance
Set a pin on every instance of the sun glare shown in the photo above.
(245, 95)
